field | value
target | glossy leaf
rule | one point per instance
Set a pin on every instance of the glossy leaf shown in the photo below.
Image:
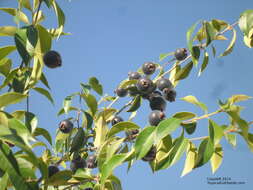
(7, 30)
(144, 141)
(36, 71)
(204, 64)
(126, 83)
(231, 45)
(45, 93)
(210, 33)
(189, 127)
(5, 66)
(215, 132)
(95, 85)
(191, 155)
(217, 157)
(193, 100)
(238, 98)
(166, 127)
(5, 51)
(45, 39)
(60, 178)
(101, 131)
(122, 126)
(91, 102)
(184, 72)
(205, 152)
(43, 132)
(11, 98)
(78, 140)
(136, 104)
(184, 115)
(17, 13)
(246, 21)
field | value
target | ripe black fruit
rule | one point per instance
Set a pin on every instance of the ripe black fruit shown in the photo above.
(65, 126)
(156, 117)
(116, 120)
(88, 188)
(77, 163)
(164, 83)
(132, 90)
(145, 85)
(134, 75)
(169, 94)
(121, 92)
(52, 59)
(91, 161)
(9, 144)
(148, 68)
(52, 170)
(150, 156)
(157, 103)
(181, 54)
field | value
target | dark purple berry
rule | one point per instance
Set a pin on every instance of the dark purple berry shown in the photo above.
(157, 103)
(121, 92)
(148, 68)
(164, 83)
(91, 161)
(52, 59)
(150, 95)
(134, 75)
(116, 120)
(9, 144)
(156, 117)
(52, 170)
(65, 126)
(150, 156)
(145, 85)
(180, 54)
(77, 163)
(169, 94)
(88, 188)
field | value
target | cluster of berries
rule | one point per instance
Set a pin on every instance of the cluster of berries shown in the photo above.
(157, 93)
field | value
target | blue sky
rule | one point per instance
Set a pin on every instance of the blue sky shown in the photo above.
(110, 38)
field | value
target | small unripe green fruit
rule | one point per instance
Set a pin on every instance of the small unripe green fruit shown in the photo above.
(52, 59)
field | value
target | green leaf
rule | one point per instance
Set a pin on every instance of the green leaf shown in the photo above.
(246, 21)
(36, 71)
(20, 38)
(204, 64)
(43, 79)
(217, 157)
(215, 132)
(144, 141)
(165, 55)
(191, 155)
(9, 164)
(5, 66)
(219, 24)
(7, 30)
(231, 138)
(4, 51)
(45, 39)
(32, 39)
(210, 33)
(195, 54)
(184, 72)
(78, 141)
(16, 13)
(4, 181)
(88, 120)
(184, 115)
(238, 98)
(11, 98)
(95, 85)
(44, 133)
(136, 104)
(193, 100)
(60, 178)
(189, 127)
(45, 93)
(9, 77)
(122, 126)
(205, 152)
(126, 83)
(189, 37)
(26, 4)
(91, 102)
(166, 127)
(60, 15)
(230, 46)
(110, 165)
(101, 131)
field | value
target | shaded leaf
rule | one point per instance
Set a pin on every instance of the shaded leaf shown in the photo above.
(136, 104)
(122, 126)
(184, 72)
(44, 133)
(95, 85)
(4, 51)
(11, 98)
(217, 157)
(184, 115)
(45, 93)
(205, 152)
(230, 46)
(204, 64)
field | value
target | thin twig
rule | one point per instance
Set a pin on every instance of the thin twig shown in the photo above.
(114, 101)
